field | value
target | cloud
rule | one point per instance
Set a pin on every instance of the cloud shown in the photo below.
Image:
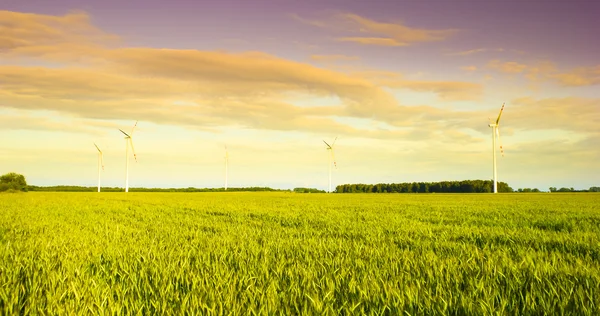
(211, 90)
(475, 51)
(569, 114)
(34, 35)
(446, 90)
(581, 76)
(379, 33)
(377, 41)
(544, 71)
(330, 58)
(507, 67)
(242, 89)
(469, 68)
(23, 120)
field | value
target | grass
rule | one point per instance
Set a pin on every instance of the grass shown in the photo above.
(285, 253)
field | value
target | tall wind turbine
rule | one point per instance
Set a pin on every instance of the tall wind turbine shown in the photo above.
(100, 163)
(226, 162)
(128, 142)
(496, 134)
(331, 157)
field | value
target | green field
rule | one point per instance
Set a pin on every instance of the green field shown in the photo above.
(285, 253)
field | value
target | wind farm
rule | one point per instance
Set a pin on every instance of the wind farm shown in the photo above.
(412, 215)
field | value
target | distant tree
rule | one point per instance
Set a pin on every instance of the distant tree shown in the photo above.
(308, 190)
(564, 190)
(552, 189)
(594, 189)
(536, 190)
(13, 181)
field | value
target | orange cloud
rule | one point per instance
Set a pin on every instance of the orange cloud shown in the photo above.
(582, 76)
(446, 90)
(571, 114)
(579, 76)
(507, 67)
(475, 51)
(29, 34)
(329, 58)
(380, 33)
(469, 68)
(377, 41)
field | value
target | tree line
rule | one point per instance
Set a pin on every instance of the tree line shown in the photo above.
(71, 188)
(591, 189)
(308, 190)
(465, 186)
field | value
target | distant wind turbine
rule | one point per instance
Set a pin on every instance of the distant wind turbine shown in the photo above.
(128, 142)
(226, 162)
(100, 164)
(331, 158)
(496, 133)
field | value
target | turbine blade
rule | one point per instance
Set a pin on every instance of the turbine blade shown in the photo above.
(333, 158)
(327, 144)
(132, 149)
(124, 133)
(499, 142)
(500, 114)
(333, 144)
(97, 148)
(133, 127)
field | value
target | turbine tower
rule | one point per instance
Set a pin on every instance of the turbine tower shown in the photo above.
(496, 134)
(128, 142)
(331, 158)
(100, 164)
(226, 162)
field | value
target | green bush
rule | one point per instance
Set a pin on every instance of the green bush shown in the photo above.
(13, 181)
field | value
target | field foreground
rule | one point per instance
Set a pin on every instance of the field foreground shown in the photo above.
(285, 253)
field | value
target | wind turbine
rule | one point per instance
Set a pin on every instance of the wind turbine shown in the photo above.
(100, 163)
(331, 157)
(496, 133)
(128, 142)
(226, 162)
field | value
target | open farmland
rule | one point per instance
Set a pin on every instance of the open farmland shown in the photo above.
(284, 253)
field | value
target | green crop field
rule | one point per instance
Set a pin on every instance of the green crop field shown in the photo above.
(285, 253)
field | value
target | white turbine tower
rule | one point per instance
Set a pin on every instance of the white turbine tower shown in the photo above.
(226, 162)
(331, 157)
(100, 164)
(496, 134)
(128, 142)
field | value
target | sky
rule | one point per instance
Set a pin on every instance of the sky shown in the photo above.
(408, 88)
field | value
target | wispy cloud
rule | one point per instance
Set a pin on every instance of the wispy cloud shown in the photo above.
(370, 32)
(544, 71)
(475, 51)
(507, 67)
(333, 58)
